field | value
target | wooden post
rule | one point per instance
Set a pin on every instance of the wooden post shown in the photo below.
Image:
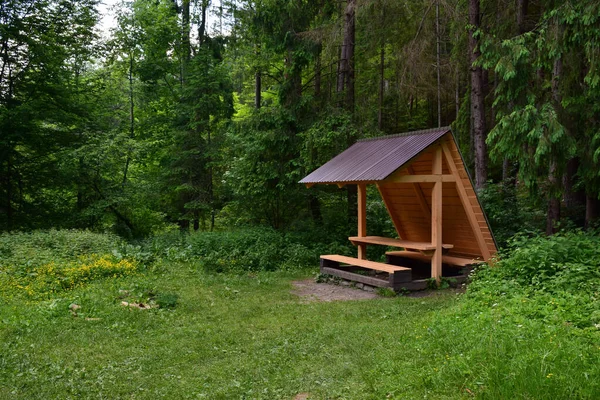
(362, 219)
(436, 217)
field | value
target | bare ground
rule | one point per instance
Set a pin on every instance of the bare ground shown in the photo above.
(311, 291)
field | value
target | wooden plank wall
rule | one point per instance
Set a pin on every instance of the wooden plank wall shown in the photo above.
(483, 226)
(407, 211)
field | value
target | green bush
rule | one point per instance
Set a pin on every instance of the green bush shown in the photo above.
(554, 278)
(528, 324)
(510, 211)
(250, 249)
(40, 263)
(26, 249)
(167, 300)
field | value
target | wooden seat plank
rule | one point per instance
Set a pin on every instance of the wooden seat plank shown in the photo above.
(380, 240)
(452, 260)
(364, 263)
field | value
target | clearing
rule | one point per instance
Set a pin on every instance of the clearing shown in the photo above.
(252, 336)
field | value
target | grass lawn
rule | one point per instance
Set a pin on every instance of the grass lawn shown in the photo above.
(248, 337)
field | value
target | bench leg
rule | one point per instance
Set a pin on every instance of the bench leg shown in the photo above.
(398, 278)
(329, 264)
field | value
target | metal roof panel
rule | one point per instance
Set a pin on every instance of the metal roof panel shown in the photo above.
(374, 159)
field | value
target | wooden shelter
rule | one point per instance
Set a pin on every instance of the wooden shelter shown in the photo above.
(430, 198)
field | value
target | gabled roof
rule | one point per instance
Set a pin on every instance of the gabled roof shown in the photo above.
(375, 159)
(388, 163)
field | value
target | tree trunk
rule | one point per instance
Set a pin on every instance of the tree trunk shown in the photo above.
(346, 65)
(185, 39)
(318, 76)
(437, 63)
(457, 95)
(184, 225)
(131, 120)
(9, 205)
(352, 197)
(574, 198)
(315, 209)
(381, 87)
(553, 214)
(592, 210)
(293, 77)
(477, 99)
(196, 220)
(257, 89)
(202, 26)
(522, 6)
(381, 74)
(345, 83)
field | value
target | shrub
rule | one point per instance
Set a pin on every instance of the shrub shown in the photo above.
(167, 300)
(27, 249)
(250, 249)
(553, 278)
(43, 262)
(55, 277)
(509, 211)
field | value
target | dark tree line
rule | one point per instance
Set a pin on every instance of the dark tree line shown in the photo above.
(199, 113)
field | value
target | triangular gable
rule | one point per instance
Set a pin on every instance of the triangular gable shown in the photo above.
(463, 221)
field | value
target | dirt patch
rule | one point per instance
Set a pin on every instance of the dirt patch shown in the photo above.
(311, 291)
(302, 396)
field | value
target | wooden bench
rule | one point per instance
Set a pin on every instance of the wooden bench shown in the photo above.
(446, 259)
(425, 247)
(330, 264)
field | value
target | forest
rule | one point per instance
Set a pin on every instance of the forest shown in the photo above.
(155, 241)
(204, 115)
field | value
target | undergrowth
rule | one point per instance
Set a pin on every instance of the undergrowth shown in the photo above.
(42, 264)
(528, 325)
(243, 250)
(554, 278)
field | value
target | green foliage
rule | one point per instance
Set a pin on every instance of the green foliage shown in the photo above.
(264, 173)
(25, 249)
(520, 330)
(522, 320)
(510, 211)
(52, 278)
(546, 89)
(386, 292)
(322, 278)
(556, 279)
(167, 300)
(326, 138)
(444, 283)
(250, 249)
(42, 264)
(47, 45)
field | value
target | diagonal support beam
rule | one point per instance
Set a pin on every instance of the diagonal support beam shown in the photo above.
(464, 199)
(392, 213)
(420, 196)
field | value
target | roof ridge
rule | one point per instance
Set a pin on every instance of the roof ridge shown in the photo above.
(404, 134)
